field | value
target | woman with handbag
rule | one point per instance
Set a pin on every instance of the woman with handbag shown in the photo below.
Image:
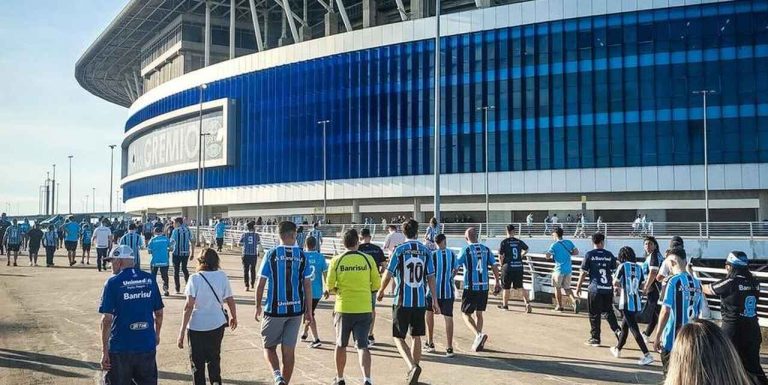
(205, 317)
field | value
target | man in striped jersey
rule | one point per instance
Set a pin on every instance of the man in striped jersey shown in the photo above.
(682, 304)
(446, 266)
(250, 243)
(12, 240)
(412, 269)
(135, 241)
(475, 258)
(287, 276)
(183, 251)
(627, 281)
(318, 236)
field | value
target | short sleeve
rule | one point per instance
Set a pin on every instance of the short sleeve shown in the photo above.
(669, 294)
(307, 267)
(227, 287)
(430, 266)
(654, 261)
(149, 245)
(723, 287)
(455, 260)
(523, 246)
(324, 264)
(462, 257)
(619, 275)
(107, 305)
(331, 280)
(375, 277)
(551, 249)
(491, 258)
(502, 246)
(392, 265)
(266, 269)
(191, 289)
(585, 262)
(242, 238)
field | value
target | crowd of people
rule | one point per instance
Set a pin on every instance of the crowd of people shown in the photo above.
(294, 276)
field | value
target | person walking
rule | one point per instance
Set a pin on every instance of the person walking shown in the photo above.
(71, 237)
(102, 237)
(51, 243)
(599, 264)
(132, 316)
(561, 251)
(183, 251)
(652, 287)
(204, 318)
(286, 275)
(25, 227)
(12, 241)
(250, 242)
(429, 237)
(318, 235)
(158, 248)
(739, 294)
(220, 229)
(319, 269)
(511, 253)
(135, 241)
(86, 234)
(352, 277)
(4, 225)
(446, 265)
(35, 236)
(366, 247)
(627, 282)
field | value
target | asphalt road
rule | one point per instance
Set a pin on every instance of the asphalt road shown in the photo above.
(49, 334)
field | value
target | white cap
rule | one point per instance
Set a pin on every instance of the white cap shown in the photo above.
(121, 252)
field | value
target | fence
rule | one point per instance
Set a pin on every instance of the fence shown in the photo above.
(537, 271)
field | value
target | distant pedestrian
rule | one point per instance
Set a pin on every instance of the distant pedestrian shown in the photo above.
(561, 251)
(220, 229)
(102, 237)
(627, 281)
(71, 237)
(432, 230)
(25, 228)
(183, 250)
(159, 247)
(4, 224)
(250, 241)
(318, 234)
(51, 243)
(134, 240)
(35, 236)
(86, 234)
(12, 241)
(205, 318)
(132, 315)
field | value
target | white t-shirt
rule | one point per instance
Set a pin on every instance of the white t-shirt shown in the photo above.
(393, 240)
(102, 234)
(207, 313)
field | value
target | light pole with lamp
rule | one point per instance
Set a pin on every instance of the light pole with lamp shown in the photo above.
(704, 94)
(53, 192)
(202, 88)
(111, 173)
(70, 183)
(202, 181)
(325, 177)
(485, 151)
(436, 161)
(93, 204)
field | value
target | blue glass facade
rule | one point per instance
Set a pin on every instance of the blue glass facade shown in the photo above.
(601, 91)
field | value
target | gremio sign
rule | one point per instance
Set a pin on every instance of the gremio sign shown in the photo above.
(169, 142)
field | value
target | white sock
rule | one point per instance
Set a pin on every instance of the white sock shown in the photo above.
(277, 373)
(370, 381)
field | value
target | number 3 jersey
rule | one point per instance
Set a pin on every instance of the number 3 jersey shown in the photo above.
(475, 258)
(599, 263)
(410, 264)
(684, 298)
(739, 298)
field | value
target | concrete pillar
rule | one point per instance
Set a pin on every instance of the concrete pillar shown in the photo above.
(420, 9)
(331, 23)
(356, 216)
(762, 205)
(501, 217)
(369, 13)
(418, 215)
(658, 215)
(232, 14)
(284, 32)
(207, 39)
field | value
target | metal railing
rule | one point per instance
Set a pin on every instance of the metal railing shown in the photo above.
(537, 270)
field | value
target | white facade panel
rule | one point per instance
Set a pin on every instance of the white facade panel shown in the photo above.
(529, 12)
(602, 179)
(584, 7)
(556, 9)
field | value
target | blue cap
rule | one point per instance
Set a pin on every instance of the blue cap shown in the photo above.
(737, 258)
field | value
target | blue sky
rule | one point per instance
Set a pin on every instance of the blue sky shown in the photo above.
(44, 113)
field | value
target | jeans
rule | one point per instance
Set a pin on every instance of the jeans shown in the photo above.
(205, 350)
(249, 270)
(629, 324)
(132, 368)
(163, 274)
(180, 262)
(101, 255)
(49, 250)
(601, 305)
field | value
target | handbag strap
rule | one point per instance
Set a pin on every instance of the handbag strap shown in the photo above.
(214, 291)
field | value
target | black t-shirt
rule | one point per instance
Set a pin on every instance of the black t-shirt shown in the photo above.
(35, 235)
(510, 252)
(739, 296)
(653, 263)
(600, 264)
(374, 251)
(3, 226)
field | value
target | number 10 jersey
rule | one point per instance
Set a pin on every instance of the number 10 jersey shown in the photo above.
(410, 265)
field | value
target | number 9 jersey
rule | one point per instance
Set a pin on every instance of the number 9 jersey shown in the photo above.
(410, 265)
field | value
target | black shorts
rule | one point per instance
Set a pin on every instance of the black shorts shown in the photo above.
(70, 245)
(14, 247)
(86, 247)
(219, 242)
(315, 302)
(147, 237)
(34, 249)
(474, 300)
(446, 306)
(408, 318)
(511, 278)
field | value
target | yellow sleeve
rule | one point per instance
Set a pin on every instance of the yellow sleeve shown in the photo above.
(375, 277)
(331, 279)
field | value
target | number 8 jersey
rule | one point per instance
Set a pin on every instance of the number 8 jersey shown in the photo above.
(410, 265)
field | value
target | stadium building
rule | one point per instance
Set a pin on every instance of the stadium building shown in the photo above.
(590, 106)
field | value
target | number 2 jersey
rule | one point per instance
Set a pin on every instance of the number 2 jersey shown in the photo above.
(684, 298)
(410, 265)
(475, 258)
(739, 298)
(599, 263)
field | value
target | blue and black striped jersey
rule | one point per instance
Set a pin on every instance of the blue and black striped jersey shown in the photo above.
(630, 277)
(476, 258)
(318, 235)
(410, 265)
(51, 238)
(250, 242)
(684, 299)
(446, 264)
(135, 241)
(432, 232)
(12, 235)
(285, 268)
(181, 237)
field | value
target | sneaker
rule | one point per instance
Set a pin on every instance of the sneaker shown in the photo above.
(616, 352)
(30, 264)
(476, 342)
(528, 308)
(646, 338)
(647, 359)
(337, 381)
(315, 344)
(304, 337)
(413, 375)
(502, 307)
(575, 307)
(428, 347)
(367, 383)
(371, 341)
(449, 353)
(557, 308)
(279, 380)
(165, 293)
(482, 342)
(592, 342)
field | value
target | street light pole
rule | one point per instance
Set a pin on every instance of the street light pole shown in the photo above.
(85, 207)
(53, 191)
(111, 174)
(94, 199)
(200, 162)
(485, 151)
(704, 94)
(202, 182)
(70, 183)
(436, 161)
(325, 177)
